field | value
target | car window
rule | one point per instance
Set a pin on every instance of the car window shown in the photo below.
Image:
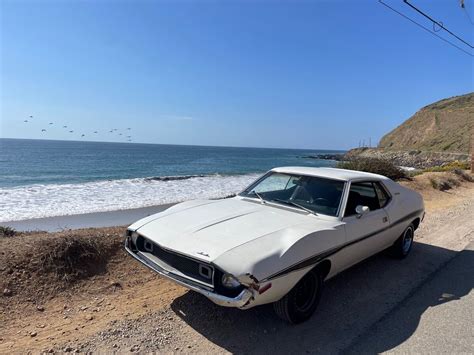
(381, 194)
(275, 182)
(364, 194)
(320, 195)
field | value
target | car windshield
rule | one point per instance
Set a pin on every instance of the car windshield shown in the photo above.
(310, 193)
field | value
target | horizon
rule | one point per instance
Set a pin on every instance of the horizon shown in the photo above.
(180, 145)
(288, 75)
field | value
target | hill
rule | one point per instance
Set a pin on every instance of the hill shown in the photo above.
(444, 126)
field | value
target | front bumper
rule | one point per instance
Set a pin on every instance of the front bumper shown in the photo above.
(238, 302)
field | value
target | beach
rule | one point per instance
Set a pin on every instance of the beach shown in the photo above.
(86, 220)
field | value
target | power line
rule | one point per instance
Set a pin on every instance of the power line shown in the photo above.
(440, 24)
(426, 29)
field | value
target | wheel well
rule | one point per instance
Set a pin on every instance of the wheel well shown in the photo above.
(324, 267)
(416, 223)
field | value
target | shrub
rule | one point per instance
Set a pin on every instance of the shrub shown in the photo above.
(73, 258)
(453, 165)
(464, 175)
(374, 165)
(7, 231)
(444, 183)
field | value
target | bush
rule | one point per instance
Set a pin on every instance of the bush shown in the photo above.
(73, 258)
(374, 165)
(464, 175)
(451, 166)
(7, 231)
(444, 183)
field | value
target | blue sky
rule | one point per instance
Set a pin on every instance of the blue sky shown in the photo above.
(296, 74)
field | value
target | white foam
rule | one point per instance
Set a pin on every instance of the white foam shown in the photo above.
(37, 201)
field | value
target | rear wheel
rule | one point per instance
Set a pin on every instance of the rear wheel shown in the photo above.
(404, 243)
(299, 304)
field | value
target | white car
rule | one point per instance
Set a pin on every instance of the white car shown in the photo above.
(280, 238)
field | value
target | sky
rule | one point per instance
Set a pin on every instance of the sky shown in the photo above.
(288, 74)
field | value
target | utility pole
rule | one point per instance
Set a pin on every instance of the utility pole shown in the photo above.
(472, 148)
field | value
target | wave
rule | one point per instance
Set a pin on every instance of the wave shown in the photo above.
(38, 201)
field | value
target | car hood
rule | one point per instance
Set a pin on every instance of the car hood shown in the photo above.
(207, 229)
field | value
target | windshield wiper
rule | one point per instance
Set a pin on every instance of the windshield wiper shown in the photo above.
(258, 195)
(288, 202)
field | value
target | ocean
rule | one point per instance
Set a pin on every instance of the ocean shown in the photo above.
(45, 178)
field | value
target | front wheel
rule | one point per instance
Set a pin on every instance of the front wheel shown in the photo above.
(404, 243)
(299, 304)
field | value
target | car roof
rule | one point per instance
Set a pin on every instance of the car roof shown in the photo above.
(330, 173)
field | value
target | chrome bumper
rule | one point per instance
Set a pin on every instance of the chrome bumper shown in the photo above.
(239, 301)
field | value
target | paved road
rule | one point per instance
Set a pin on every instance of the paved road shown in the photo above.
(446, 325)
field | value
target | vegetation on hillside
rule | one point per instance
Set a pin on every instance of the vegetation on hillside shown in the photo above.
(444, 126)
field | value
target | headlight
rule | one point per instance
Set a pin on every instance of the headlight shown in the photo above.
(230, 281)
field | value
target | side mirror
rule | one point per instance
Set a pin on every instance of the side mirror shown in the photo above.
(360, 210)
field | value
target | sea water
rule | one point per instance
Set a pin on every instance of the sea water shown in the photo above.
(43, 178)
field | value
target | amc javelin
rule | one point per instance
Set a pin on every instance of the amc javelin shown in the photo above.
(279, 239)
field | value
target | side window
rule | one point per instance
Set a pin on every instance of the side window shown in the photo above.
(364, 194)
(382, 194)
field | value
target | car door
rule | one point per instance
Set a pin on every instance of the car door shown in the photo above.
(368, 233)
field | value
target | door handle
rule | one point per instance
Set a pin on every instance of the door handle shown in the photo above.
(385, 220)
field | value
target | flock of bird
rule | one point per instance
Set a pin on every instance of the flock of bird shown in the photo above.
(113, 130)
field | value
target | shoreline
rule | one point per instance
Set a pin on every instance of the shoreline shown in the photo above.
(86, 220)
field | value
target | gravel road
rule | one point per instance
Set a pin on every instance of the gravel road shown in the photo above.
(357, 307)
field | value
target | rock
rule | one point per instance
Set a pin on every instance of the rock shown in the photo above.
(41, 325)
(33, 334)
(40, 308)
(7, 292)
(89, 317)
(135, 348)
(67, 349)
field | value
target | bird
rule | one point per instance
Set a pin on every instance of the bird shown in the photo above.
(25, 121)
(83, 135)
(128, 129)
(95, 131)
(31, 116)
(71, 131)
(64, 126)
(50, 122)
(43, 130)
(120, 134)
(111, 131)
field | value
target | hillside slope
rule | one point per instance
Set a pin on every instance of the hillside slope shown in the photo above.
(444, 126)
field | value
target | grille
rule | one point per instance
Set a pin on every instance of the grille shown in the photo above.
(189, 267)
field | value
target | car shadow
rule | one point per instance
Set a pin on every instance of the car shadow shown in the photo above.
(352, 303)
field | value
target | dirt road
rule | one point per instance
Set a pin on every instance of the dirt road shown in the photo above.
(146, 313)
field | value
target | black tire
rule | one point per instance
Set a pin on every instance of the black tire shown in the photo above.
(299, 304)
(404, 243)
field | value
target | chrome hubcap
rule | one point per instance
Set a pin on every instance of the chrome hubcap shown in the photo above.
(407, 240)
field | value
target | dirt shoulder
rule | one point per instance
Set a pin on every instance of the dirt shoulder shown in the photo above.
(115, 304)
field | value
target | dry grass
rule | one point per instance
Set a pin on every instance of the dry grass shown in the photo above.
(42, 265)
(72, 258)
